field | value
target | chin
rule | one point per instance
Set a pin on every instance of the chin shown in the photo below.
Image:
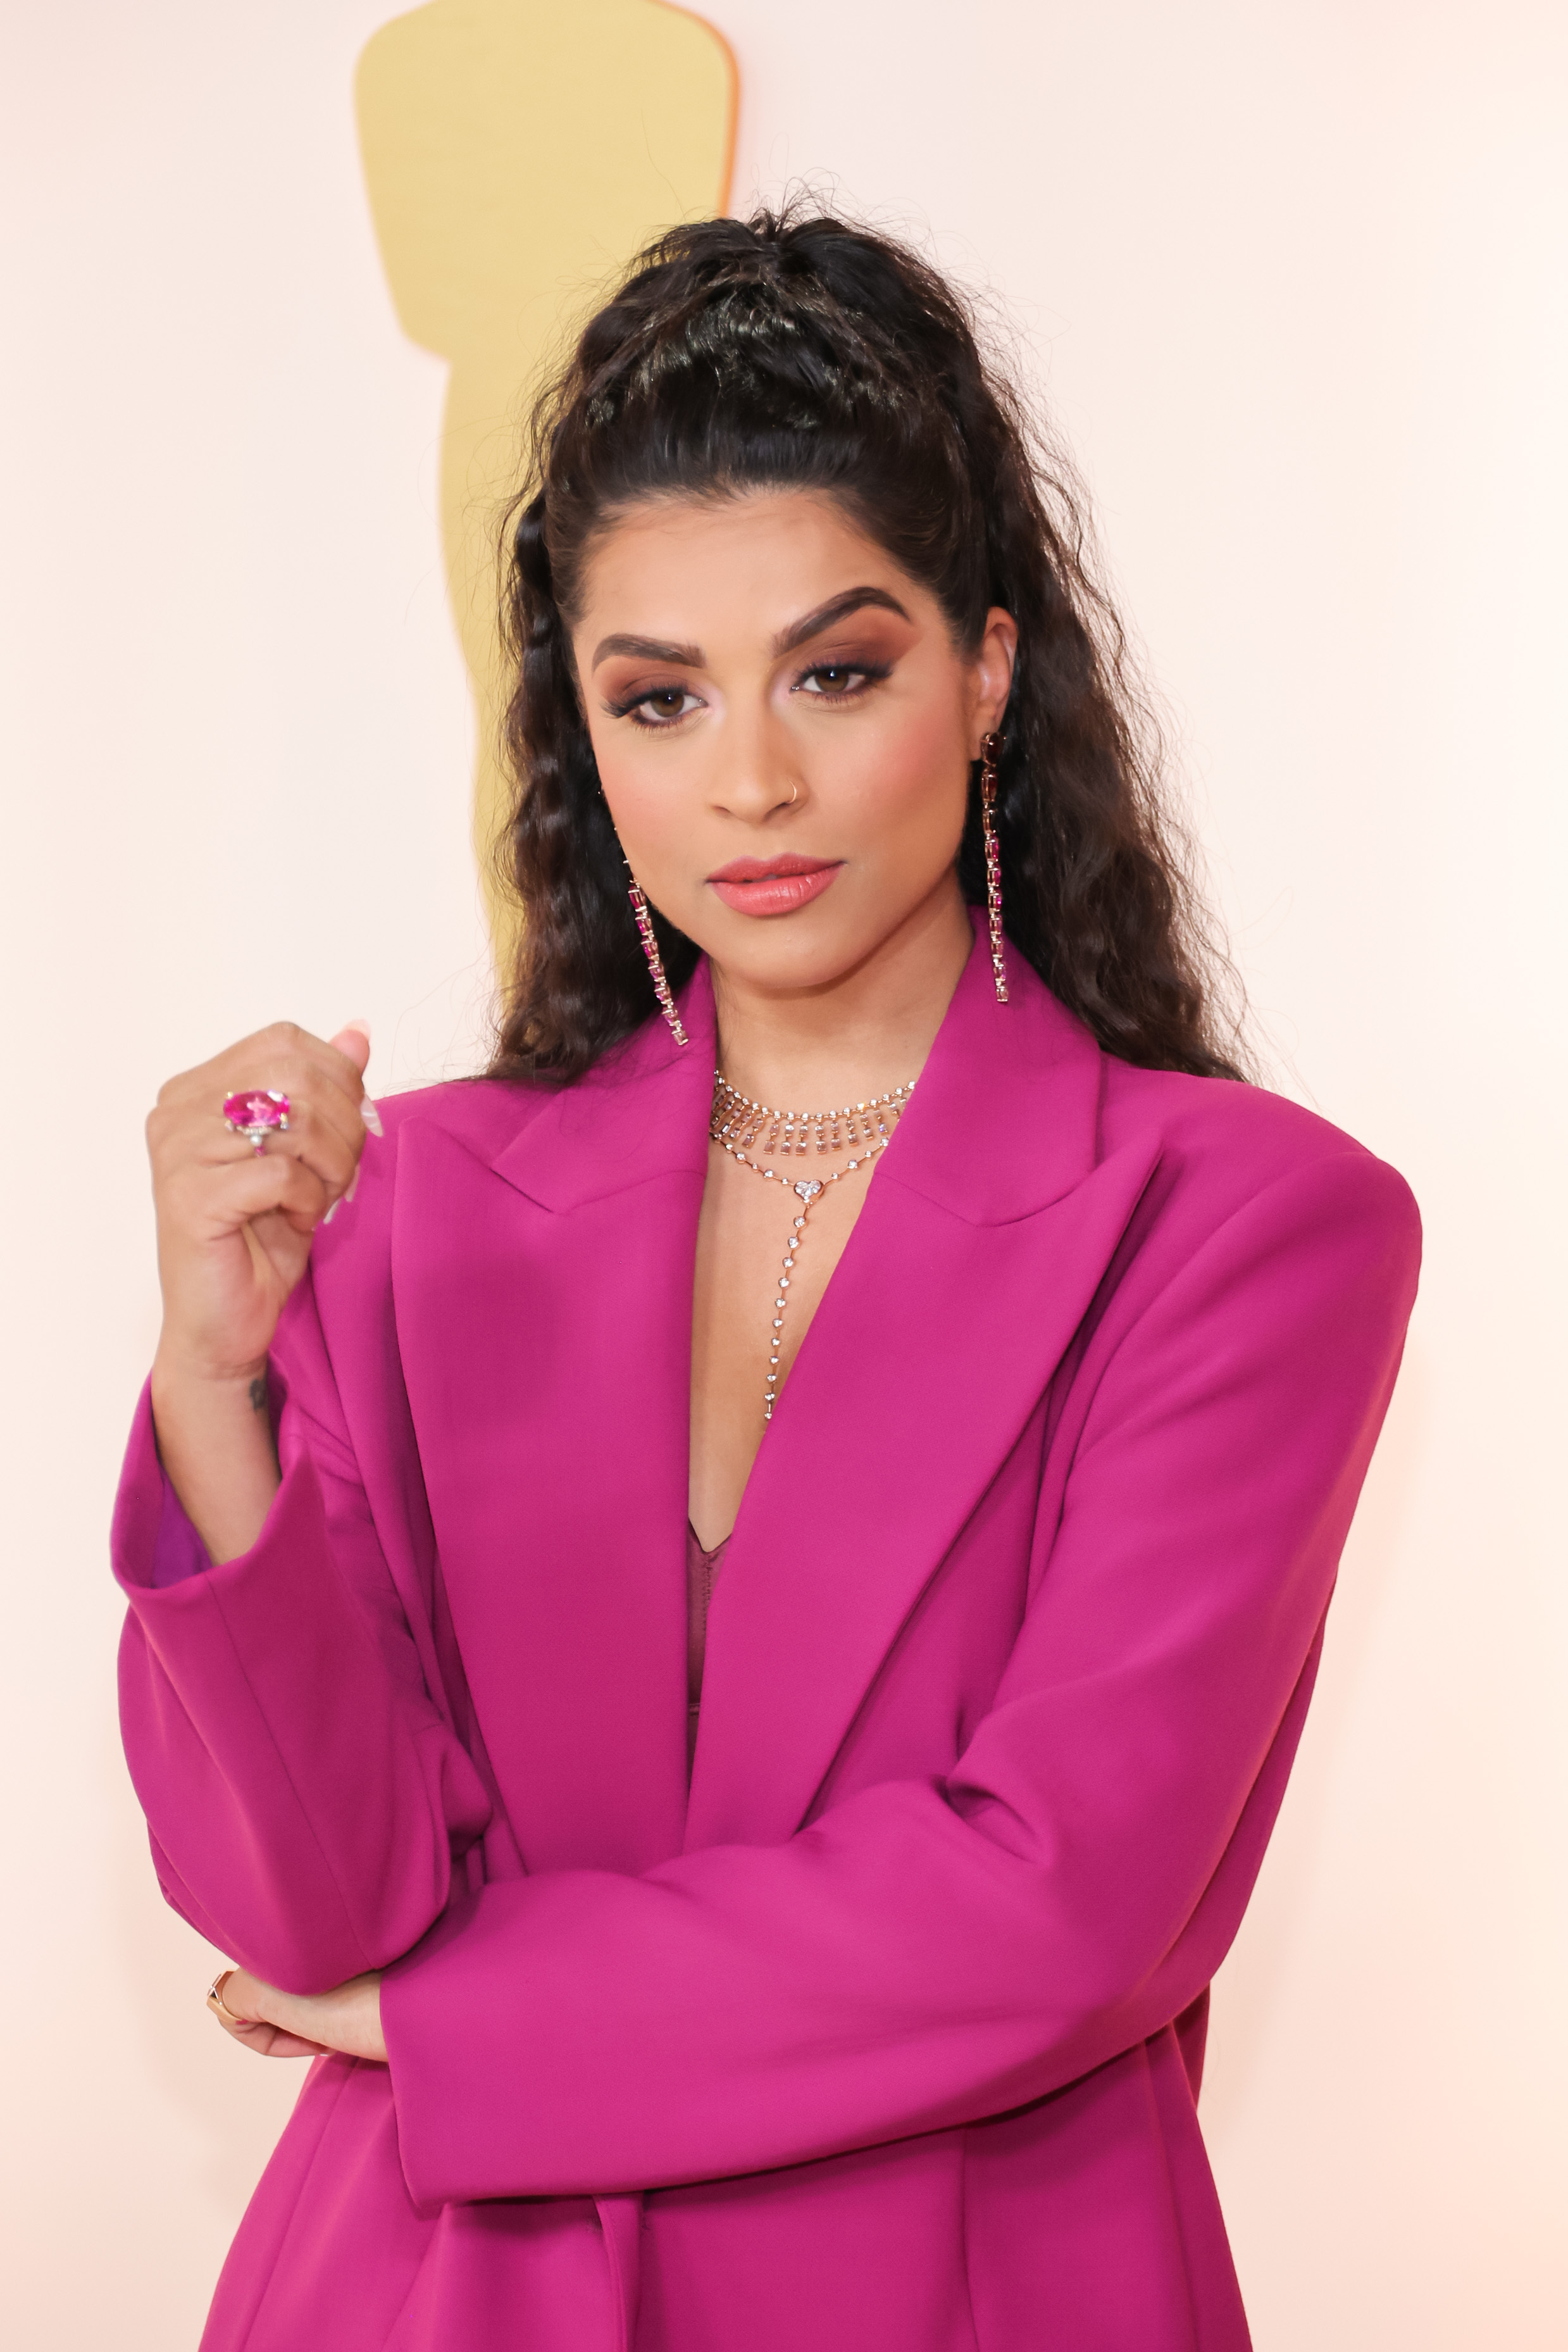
(791, 951)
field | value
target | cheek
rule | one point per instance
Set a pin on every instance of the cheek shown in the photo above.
(643, 792)
(908, 784)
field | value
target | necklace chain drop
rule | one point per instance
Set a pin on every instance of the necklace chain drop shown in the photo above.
(753, 1133)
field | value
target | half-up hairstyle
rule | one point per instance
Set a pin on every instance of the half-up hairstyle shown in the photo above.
(796, 352)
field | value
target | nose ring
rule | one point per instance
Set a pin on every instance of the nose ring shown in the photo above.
(794, 794)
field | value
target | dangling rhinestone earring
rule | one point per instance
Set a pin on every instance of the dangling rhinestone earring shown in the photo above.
(655, 962)
(990, 752)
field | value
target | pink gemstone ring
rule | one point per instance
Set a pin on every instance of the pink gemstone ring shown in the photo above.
(257, 1114)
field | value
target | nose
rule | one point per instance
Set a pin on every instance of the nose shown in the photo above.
(757, 773)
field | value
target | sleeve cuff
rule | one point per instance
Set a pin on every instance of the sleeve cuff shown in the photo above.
(178, 1551)
(155, 1546)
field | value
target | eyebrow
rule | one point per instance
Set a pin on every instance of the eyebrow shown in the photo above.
(647, 650)
(811, 625)
(837, 608)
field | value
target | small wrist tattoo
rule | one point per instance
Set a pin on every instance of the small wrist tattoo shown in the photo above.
(259, 1394)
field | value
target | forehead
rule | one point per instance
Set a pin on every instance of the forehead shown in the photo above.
(753, 559)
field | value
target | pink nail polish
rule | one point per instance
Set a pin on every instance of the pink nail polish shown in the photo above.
(370, 1115)
(334, 1208)
(353, 1185)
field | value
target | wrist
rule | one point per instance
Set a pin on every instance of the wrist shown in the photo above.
(214, 1439)
(182, 1371)
(347, 2019)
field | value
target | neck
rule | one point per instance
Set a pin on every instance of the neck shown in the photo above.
(865, 1033)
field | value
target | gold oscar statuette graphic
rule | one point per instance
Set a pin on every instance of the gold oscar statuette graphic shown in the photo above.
(517, 154)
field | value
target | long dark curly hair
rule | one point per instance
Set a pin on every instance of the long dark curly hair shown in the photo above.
(799, 351)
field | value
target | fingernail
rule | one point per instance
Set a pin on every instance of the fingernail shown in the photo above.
(353, 1184)
(334, 1207)
(370, 1115)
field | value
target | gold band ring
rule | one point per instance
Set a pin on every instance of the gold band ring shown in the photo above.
(216, 2002)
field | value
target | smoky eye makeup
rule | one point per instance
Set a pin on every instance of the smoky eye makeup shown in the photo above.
(658, 705)
(840, 679)
(654, 706)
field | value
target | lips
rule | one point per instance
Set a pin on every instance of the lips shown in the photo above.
(772, 886)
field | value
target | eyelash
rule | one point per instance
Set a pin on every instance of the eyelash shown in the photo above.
(630, 708)
(869, 673)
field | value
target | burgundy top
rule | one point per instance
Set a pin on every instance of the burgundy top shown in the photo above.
(702, 1575)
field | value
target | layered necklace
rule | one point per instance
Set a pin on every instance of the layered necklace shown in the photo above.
(754, 1134)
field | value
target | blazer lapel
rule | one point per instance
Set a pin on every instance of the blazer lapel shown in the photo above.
(985, 1233)
(543, 1299)
(544, 1302)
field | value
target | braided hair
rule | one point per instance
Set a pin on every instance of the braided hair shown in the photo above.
(796, 351)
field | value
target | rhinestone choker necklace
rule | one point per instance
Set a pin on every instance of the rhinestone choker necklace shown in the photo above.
(753, 1133)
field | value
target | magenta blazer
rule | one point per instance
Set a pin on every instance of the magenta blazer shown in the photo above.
(888, 2037)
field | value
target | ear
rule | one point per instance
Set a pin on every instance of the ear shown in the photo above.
(992, 675)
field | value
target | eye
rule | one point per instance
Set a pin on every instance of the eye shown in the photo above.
(839, 681)
(656, 707)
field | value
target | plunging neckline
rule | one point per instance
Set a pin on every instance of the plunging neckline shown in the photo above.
(703, 1568)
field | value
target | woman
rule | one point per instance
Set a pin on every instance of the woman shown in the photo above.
(977, 1449)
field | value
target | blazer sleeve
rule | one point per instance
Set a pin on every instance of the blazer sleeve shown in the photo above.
(306, 1798)
(928, 1953)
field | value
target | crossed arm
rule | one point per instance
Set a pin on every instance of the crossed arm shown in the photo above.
(1076, 1878)
(277, 2024)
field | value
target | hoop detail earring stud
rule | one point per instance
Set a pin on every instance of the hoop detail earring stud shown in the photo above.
(990, 752)
(645, 922)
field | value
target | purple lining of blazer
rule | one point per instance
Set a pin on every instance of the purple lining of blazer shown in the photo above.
(886, 2035)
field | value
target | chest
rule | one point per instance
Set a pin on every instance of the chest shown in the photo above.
(547, 1306)
(765, 1256)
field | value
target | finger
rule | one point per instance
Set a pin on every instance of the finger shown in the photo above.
(279, 2045)
(328, 1138)
(317, 1075)
(236, 1997)
(279, 1248)
(341, 1105)
(189, 1119)
(210, 1203)
(353, 1039)
(264, 1059)
(289, 2045)
(332, 1076)
(246, 2009)
(312, 1135)
(271, 2041)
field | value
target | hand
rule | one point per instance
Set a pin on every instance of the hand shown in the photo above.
(234, 1229)
(235, 1226)
(301, 2025)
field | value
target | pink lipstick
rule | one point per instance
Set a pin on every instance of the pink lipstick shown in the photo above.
(773, 886)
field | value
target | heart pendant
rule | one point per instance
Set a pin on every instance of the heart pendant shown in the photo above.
(807, 1190)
